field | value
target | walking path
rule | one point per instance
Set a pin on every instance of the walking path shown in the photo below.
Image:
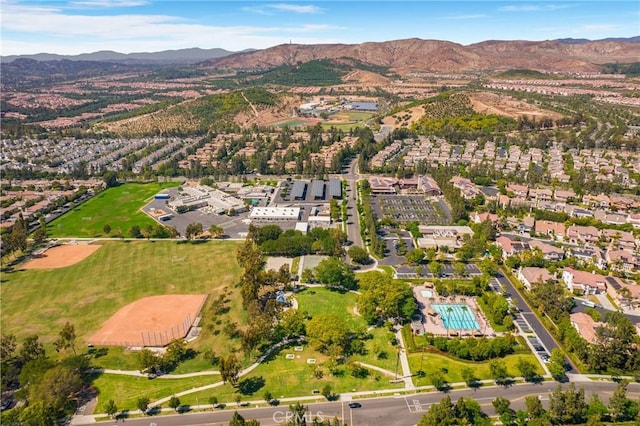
(404, 361)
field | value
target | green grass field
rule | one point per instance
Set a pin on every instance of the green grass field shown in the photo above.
(125, 390)
(451, 368)
(293, 377)
(89, 292)
(119, 207)
(319, 300)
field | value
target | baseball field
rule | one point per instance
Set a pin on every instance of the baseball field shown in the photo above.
(89, 292)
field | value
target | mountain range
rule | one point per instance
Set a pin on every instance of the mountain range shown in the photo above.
(401, 56)
(180, 56)
(415, 54)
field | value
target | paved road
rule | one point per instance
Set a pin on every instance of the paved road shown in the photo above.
(543, 335)
(580, 308)
(385, 130)
(353, 220)
(385, 411)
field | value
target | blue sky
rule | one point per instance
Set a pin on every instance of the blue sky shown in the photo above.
(80, 26)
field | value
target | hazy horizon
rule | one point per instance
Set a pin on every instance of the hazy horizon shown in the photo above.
(138, 26)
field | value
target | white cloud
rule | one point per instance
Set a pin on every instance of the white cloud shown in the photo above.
(533, 7)
(296, 8)
(271, 9)
(34, 29)
(106, 3)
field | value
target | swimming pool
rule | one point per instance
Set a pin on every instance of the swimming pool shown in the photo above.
(457, 316)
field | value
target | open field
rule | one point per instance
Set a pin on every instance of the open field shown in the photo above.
(61, 256)
(91, 291)
(125, 390)
(452, 368)
(293, 377)
(319, 300)
(118, 207)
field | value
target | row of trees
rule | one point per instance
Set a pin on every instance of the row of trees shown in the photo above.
(274, 241)
(566, 407)
(475, 349)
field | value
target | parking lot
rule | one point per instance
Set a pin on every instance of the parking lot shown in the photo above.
(409, 208)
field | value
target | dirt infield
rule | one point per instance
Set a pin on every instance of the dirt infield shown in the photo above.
(61, 256)
(150, 321)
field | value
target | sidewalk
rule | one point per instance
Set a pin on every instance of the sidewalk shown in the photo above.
(404, 362)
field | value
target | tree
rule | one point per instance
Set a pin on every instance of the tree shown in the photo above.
(442, 413)
(381, 298)
(8, 347)
(17, 240)
(193, 229)
(621, 407)
(107, 229)
(597, 408)
(216, 231)
(174, 402)
(148, 362)
(230, 369)
(415, 256)
(567, 407)
(39, 236)
(327, 392)
(556, 364)
(237, 420)
(299, 414)
(110, 178)
(39, 414)
(66, 339)
(335, 273)
(498, 371)
(437, 380)
(292, 323)
(110, 408)
(143, 404)
(469, 377)
(527, 369)
(56, 386)
(435, 268)
(534, 407)
(501, 405)
(31, 349)
(329, 333)
(134, 231)
(359, 255)
(175, 353)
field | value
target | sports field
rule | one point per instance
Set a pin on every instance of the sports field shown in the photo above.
(89, 292)
(118, 207)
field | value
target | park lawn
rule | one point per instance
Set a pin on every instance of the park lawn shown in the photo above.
(290, 378)
(319, 300)
(89, 292)
(125, 390)
(119, 207)
(381, 342)
(452, 367)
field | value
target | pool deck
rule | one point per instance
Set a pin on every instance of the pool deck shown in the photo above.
(433, 323)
